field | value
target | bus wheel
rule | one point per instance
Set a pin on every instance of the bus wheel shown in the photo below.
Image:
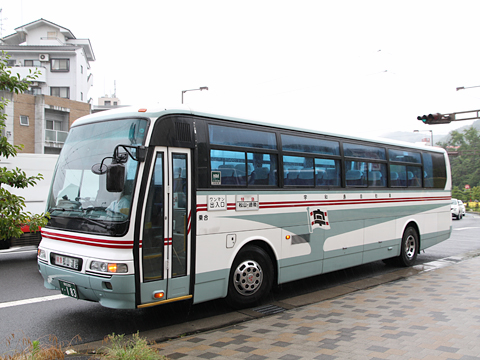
(409, 250)
(251, 277)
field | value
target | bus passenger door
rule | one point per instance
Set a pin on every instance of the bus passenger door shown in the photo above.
(165, 238)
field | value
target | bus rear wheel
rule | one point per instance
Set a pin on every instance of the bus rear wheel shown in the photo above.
(251, 277)
(410, 245)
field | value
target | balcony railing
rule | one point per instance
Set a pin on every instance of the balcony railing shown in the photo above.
(55, 136)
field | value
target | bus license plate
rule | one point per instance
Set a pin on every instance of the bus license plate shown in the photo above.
(66, 261)
(68, 289)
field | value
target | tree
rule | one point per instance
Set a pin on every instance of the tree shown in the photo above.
(12, 214)
(466, 166)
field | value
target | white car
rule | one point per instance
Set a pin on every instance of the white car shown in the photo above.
(457, 208)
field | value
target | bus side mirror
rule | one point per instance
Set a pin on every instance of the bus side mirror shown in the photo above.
(115, 177)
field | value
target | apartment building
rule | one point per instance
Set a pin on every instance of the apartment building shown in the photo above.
(41, 118)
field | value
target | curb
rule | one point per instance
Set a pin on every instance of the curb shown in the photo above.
(90, 350)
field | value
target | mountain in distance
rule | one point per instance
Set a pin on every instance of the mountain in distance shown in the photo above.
(417, 137)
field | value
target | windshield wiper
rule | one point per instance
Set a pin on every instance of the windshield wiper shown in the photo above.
(63, 209)
(91, 221)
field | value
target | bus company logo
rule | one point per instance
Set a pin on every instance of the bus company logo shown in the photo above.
(318, 219)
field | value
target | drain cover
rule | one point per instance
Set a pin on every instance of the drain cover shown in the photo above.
(269, 309)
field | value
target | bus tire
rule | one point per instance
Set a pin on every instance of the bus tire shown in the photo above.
(409, 247)
(251, 277)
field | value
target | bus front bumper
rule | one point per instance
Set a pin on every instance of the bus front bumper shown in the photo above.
(117, 291)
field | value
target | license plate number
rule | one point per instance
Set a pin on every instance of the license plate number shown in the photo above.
(68, 289)
(66, 262)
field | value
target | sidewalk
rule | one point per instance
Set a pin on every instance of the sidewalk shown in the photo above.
(432, 314)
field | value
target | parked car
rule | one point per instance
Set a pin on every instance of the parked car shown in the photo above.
(457, 208)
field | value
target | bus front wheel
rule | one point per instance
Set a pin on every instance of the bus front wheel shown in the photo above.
(409, 250)
(251, 277)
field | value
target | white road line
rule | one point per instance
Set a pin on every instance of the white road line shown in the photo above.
(467, 228)
(32, 301)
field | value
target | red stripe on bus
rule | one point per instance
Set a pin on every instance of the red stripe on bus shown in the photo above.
(189, 222)
(113, 244)
(288, 204)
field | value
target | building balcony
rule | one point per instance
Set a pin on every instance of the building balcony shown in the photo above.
(55, 137)
(24, 71)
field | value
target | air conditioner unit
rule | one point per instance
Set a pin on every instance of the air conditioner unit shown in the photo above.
(43, 57)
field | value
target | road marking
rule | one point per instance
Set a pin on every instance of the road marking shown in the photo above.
(467, 228)
(32, 301)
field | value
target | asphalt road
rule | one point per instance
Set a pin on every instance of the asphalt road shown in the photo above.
(28, 310)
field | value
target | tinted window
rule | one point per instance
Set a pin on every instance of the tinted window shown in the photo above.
(405, 176)
(364, 151)
(230, 164)
(377, 175)
(356, 173)
(435, 173)
(327, 172)
(309, 145)
(404, 156)
(298, 170)
(262, 169)
(223, 135)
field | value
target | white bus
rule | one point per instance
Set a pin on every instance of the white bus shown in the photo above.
(154, 206)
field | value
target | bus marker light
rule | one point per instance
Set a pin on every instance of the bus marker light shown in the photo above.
(158, 295)
(112, 268)
(287, 237)
(142, 110)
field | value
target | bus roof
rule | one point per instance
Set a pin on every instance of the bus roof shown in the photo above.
(154, 112)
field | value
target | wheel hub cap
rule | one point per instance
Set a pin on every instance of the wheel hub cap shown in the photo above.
(248, 277)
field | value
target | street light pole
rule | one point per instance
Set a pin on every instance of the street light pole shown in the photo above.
(200, 88)
(431, 135)
(468, 87)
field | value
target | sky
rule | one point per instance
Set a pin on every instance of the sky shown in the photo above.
(350, 67)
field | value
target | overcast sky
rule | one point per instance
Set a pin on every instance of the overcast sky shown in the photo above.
(353, 67)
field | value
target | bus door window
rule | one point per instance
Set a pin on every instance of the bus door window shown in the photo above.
(153, 230)
(179, 226)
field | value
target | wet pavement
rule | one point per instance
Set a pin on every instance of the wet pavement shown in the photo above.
(430, 311)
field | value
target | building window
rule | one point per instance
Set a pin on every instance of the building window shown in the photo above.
(55, 131)
(63, 92)
(107, 103)
(59, 65)
(24, 120)
(51, 35)
(32, 63)
(11, 62)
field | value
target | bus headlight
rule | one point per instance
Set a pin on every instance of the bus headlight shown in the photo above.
(42, 254)
(108, 267)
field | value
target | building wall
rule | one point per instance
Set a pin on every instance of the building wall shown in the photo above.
(36, 107)
(24, 135)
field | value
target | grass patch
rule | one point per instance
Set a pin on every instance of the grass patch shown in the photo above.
(25, 349)
(117, 347)
(136, 348)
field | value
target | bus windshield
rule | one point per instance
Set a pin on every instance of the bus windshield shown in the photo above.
(78, 198)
